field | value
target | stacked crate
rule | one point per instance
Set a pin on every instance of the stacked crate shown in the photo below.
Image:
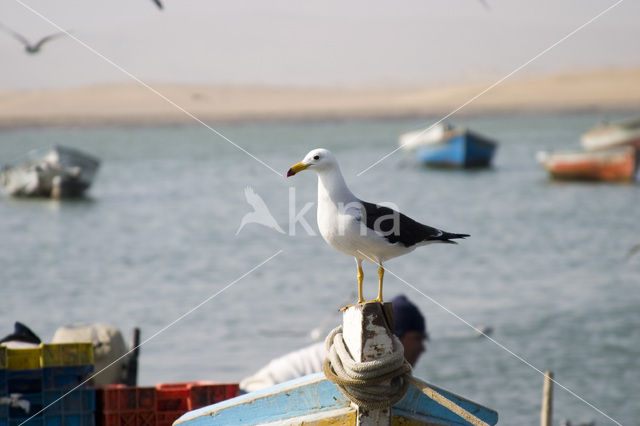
(119, 405)
(4, 390)
(203, 394)
(175, 399)
(65, 366)
(44, 385)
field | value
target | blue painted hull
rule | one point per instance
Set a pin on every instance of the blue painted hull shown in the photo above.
(464, 150)
(313, 399)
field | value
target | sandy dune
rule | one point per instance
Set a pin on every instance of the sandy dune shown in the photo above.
(135, 104)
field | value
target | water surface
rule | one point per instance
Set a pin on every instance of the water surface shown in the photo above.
(545, 265)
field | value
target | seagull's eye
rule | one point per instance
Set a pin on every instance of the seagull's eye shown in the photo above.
(317, 157)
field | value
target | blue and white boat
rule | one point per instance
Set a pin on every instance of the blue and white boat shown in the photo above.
(315, 400)
(365, 381)
(443, 145)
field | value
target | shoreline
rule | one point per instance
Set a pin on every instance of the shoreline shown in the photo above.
(73, 122)
(616, 90)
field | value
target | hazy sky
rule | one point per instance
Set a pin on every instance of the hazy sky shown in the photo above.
(315, 43)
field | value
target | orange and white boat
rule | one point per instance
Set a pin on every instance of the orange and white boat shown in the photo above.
(614, 165)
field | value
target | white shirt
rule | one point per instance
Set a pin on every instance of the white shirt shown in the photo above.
(295, 364)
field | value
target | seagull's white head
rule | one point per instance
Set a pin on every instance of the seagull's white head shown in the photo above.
(319, 160)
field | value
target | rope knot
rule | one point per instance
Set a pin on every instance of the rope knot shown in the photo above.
(375, 384)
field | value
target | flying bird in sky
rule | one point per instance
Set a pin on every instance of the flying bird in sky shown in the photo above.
(28, 46)
(485, 4)
(158, 3)
(633, 250)
(366, 231)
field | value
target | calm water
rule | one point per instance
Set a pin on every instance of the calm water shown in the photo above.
(546, 264)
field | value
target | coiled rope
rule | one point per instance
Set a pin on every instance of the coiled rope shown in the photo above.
(375, 384)
(364, 382)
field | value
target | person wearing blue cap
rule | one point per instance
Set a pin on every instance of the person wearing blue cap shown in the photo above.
(409, 326)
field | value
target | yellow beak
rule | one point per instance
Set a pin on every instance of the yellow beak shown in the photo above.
(296, 168)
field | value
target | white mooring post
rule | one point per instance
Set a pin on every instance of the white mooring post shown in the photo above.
(546, 412)
(366, 330)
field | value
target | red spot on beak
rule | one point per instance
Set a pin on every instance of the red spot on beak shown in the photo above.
(290, 173)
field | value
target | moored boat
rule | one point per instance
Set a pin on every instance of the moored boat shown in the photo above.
(57, 172)
(315, 400)
(612, 135)
(437, 133)
(366, 380)
(448, 146)
(614, 165)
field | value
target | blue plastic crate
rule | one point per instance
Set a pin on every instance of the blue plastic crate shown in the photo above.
(80, 401)
(4, 391)
(36, 421)
(24, 405)
(24, 381)
(4, 385)
(88, 419)
(64, 378)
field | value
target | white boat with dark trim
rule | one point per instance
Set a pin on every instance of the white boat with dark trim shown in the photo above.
(613, 135)
(57, 172)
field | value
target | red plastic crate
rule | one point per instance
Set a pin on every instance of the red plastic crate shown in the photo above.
(130, 418)
(191, 395)
(119, 405)
(120, 398)
(201, 395)
(166, 418)
(173, 397)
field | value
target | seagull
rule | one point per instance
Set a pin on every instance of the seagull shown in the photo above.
(260, 215)
(633, 250)
(366, 231)
(28, 47)
(485, 4)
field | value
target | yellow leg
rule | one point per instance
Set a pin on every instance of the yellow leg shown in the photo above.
(380, 277)
(360, 278)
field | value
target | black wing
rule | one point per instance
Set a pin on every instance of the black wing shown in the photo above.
(15, 35)
(46, 39)
(399, 228)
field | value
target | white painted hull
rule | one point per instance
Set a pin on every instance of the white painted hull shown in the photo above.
(431, 136)
(57, 173)
(626, 133)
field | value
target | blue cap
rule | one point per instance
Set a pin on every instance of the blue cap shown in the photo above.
(407, 317)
